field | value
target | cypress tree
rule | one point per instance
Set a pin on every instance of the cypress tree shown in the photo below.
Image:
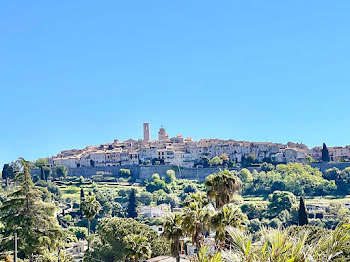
(82, 197)
(82, 194)
(303, 220)
(131, 211)
(42, 176)
(325, 153)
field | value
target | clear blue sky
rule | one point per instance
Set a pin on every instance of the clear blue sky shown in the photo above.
(76, 73)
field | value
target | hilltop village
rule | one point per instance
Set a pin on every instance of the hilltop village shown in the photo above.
(185, 152)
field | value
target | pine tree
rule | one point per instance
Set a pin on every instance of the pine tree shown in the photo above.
(131, 211)
(303, 220)
(325, 153)
(23, 212)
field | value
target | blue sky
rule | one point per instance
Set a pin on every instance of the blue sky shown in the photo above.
(75, 73)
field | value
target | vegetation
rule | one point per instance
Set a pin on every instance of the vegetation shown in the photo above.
(302, 215)
(23, 212)
(252, 216)
(325, 153)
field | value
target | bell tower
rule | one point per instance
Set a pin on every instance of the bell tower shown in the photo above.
(146, 134)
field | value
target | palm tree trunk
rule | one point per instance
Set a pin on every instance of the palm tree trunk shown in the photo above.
(177, 257)
(88, 234)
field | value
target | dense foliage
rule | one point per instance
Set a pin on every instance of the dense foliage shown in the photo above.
(111, 244)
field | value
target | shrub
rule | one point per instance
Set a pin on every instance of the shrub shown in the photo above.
(125, 172)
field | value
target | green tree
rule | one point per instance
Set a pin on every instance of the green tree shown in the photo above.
(79, 232)
(125, 172)
(267, 167)
(215, 161)
(252, 210)
(205, 161)
(137, 247)
(33, 220)
(343, 181)
(7, 172)
(90, 208)
(170, 176)
(145, 198)
(302, 215)
(132, 205)
(197, 213)
(110, 245)
(40, 162)
(249, 160)
(157, 184)
(61, 171)
(325, 153)
(225, 159)
(279, 201)
(221, 187)
(173, 231)
(229, 215)
(309, 159)
(46, 173)
(332, 174)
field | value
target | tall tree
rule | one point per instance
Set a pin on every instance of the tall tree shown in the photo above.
(137, 247)
(302, 215)
(40, 162)
(229, 215)
(173, 231)
(132, 205)
(197, 213)
(90, 208)
(61, 171)
(23, 212)
(325, 153)
(47, 171)
(279, 201)
(221, 187)
(82, 197)
(8, 172)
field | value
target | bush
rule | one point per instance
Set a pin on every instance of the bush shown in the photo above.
(125, 172)
(112, 231)
(252, 210)
(275, 223)
(254, 225)
(190, 188)
(145, 198)
(79, 232)
(267, 167)
(170, 176)
(157, 184)
(315, 232)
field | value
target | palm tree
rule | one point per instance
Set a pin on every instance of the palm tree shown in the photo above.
(90, 208)
(197, 213)
(137, 247)
(173, 231)
(229, 215)
(221, 187)
(277, 245)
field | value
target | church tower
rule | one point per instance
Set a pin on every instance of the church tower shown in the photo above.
(146, 134)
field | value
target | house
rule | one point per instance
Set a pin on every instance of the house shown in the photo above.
(77, 250)
(158, 211)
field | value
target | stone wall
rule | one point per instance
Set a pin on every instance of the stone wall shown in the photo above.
(324, 166)
(146, 172)
(141, 172)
